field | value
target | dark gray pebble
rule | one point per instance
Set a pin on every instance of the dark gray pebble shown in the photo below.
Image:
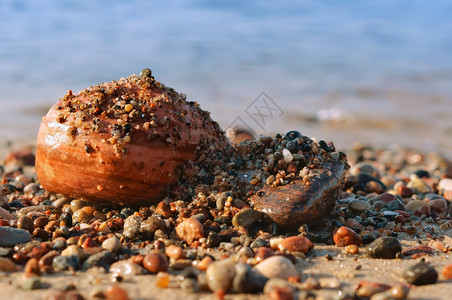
(396, 205)
(66, 262)
(102, 259)
(384, 247)
(420, 274)
(259, 243)
(246, 280)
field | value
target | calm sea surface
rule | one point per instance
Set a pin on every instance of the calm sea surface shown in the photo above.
(377, 72)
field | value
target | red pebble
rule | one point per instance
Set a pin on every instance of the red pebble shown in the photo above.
(88, 243)
(399, 219)
(403, 213)
(404, 191)
(116, 293)
(345, 236)
(4, 222)
(262, 253)
(40, 250)
(386, 197)
(423, 210)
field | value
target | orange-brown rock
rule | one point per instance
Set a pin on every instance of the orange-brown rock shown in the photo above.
(447, 272)
(345, 236)
(120, 142)
(190, 230)
(296, 243)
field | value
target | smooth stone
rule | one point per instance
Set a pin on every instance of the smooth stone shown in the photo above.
(295, 243)
(384, 247)
(155, 262)
(74, 250)
(66, 262)
(367, 289)
(276, 267)
(390, 214)
(101, 259)
(414, 205)
(385, 197)
(364, 179)
(353, 223)
(31, 188)
(420, 274)
(61, 202)
(4, 214)
(447, 272)
(112, 244)
(116, 293)
(12, 236)
(247, 218)
(25, 223)
(438, 205)
(363, 167)
(421, 173)
(359, 205)
(396, 205)
(420, 249)
(288, 157)
(419, 186)
(32, 283)
(378, 205)
(279, 284)
(445, 184)
(220, 275)
(126, 268)
(246, 280)
(345, 236)
(7, 265)
(175, 252)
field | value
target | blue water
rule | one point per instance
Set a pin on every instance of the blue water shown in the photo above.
(374, 72)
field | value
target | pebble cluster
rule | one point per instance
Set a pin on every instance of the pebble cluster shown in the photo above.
(206, 237)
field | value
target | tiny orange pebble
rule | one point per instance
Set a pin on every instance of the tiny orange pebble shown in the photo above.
(163, 280)
(447, 272)
(99, 188)
(351, 249)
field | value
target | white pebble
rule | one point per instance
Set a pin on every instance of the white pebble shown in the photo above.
(112, 244)
(276, 267)
(287, 155)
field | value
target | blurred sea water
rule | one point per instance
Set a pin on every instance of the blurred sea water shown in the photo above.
(378, 72)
